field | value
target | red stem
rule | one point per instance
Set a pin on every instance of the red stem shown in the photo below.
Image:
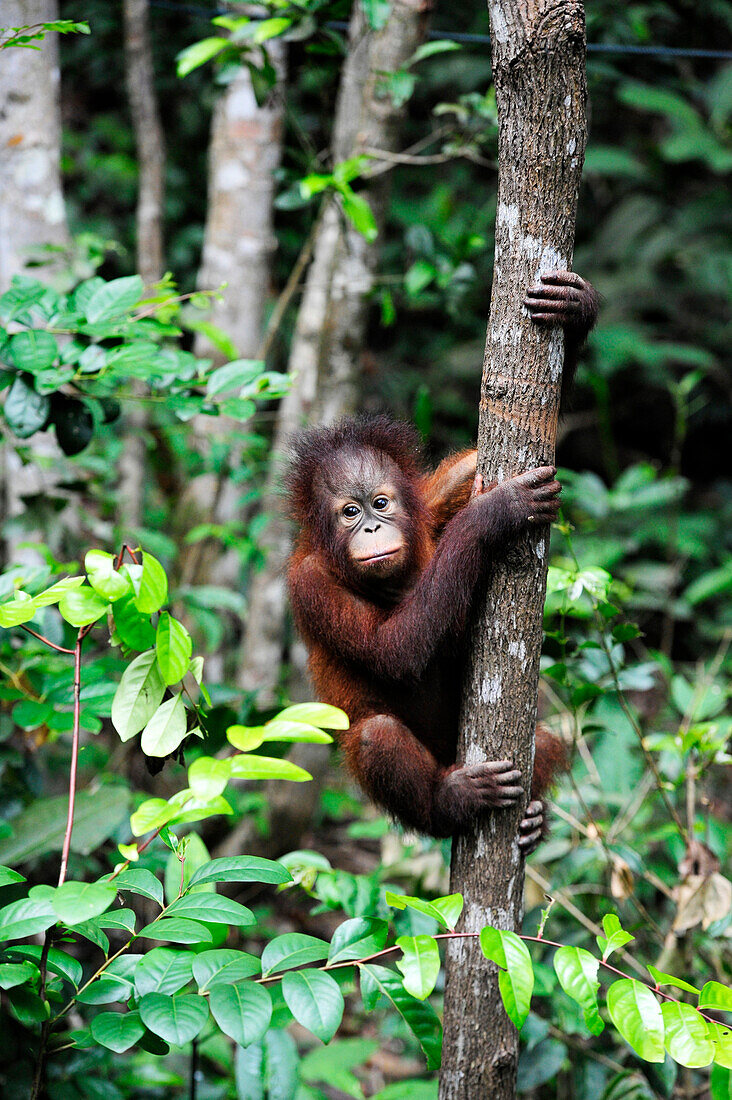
(74, 758)
(46, 641)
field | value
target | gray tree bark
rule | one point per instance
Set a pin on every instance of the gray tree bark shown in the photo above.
(32, 213)
(538, 53)
(325, 355)
(150, 142)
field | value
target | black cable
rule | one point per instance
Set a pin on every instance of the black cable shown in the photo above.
(483, 39)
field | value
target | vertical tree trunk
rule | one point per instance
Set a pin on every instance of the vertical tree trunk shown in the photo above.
(331, 323)
(150, 142)
(32, 213)
(539, 73)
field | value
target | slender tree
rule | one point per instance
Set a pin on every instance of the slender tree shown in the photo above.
(539, 72)
(328, 343)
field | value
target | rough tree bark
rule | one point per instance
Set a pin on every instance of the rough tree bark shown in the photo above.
(538, 49)
(150, 142)
(326, 350)
(32, 213)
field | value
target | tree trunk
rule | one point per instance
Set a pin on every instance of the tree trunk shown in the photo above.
(539, 74)
(150, 142)
(331, 324)
(32, 214)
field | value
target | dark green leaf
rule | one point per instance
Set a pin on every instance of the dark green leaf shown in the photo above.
(242, 1011)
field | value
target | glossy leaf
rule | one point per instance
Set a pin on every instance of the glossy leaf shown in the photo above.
(114, 298)
(163, 970)
(166, 729)
(209, 776)
(176, 1019)
(75, 902)
(315, 714)
(82, 606)
(174, 647)
(241, 869)
(516, 977)
(242, 1011)
(637, 1015)
(315, 1000)
(357, 938)
(178, 930)
(290, 950)
(266, 767)
(419, 1016)
(26, 917)
(716, 996)
(577, 973)
(212, 908)
(117, 1031)
(686, 1035)
(103, 577)
(224, 967)
(138, 880)
(138, 696)
(420, 964)
(153, 589)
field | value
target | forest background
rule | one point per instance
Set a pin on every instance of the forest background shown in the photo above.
(357, 245)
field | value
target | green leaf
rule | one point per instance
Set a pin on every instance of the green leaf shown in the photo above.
(686, 1035)
(279, 730)
(82, 606)
(75, 902)
(241, 869)
(57, 962)
(445, 910)
(268, 1069)
(418, 277)
(429, 49)
(138, 696)
(290, 950)
(720, 1083)
(721, 1036)
(209, 776)
(178, 930)
(114, 299)
(360, 214)
(419, 1016)
(118, 1031)
(212, 908)
(637, 1015)
(669, 979)
(163, 970)
(174, 647)
(33, 351)
(420, 964)
(176, 1019)
(234, 375)
(315, 714)
(616, 936)
(41, 827)
(25, 410)
(166, 729)
(223, 967)
(103, 577)
(133, 627)
(138, 880)
(56, 591)
(315, 1000)
(577, 973)
(12, 974)
(197, 54)
(26, 917)
(8, 875)
(17, 611)
(716, 996)
(153, 591)
(357, 938)
(516, 978)
(267, 767)
(242, 1011)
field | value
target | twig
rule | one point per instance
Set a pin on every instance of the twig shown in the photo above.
(47, 641)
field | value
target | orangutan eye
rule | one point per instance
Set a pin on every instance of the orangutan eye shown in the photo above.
(350, 511)
(380, 503)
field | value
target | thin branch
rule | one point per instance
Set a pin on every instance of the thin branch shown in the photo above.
(47, 641)
(74, 760)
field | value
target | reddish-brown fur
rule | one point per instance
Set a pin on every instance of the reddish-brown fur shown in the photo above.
(394, 663)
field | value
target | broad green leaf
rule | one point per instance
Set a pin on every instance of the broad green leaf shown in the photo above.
(209, 776)
(82, 606)
(360, 214)
(268, 1070)
(669, 979)
(615, 936)
(198, 54)
(132, 626)
(75, 902)
(686, 1035)
(151, 814)
(279, 730)
(722, 1038)
(153, 590)
(17, 611)
(106, 991)
(234, 375)
(332, 1065)
(241, 869)
(103, 577)
(357, 938)
(720, 1082)
(12, 974)
(577, 973)
(245, 738)
(637, 1015)
(26, 917)
(419, 1016)
(428, 49)
(716, 996)
(242, 1011)
(315, 1000)
(223, 967)
(114, 298)
(57, 590)
(445, 910)
(117, 1031)
(138, 880)
(177, 930)
(212, 908)
(166, 729)
(33, 351)
(118, 918)
(174, 647)
(290, 950)
(315, 714)
(516, 977)
(176, 1019)
(57, 962)
(8, 875)
(138, 696)
(25, 410)
(420, 964)
(163, 970)
(41, 827)
(267, 767)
